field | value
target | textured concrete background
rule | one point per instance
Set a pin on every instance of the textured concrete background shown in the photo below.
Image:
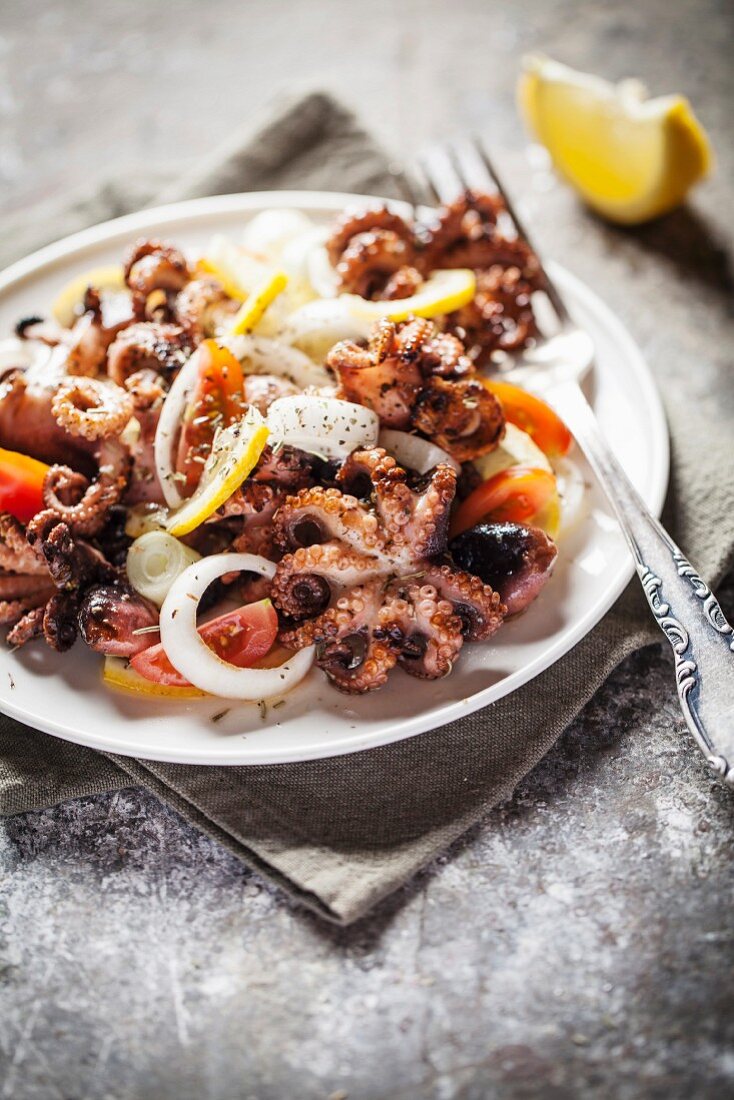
(580, 942)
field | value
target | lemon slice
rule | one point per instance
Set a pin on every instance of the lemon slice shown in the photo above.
(257, 302)
(630, 158)
(235, 450)
(66, 307)
(443, 292)
(118, 674)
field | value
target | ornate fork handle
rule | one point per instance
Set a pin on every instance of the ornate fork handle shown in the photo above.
(685, 608)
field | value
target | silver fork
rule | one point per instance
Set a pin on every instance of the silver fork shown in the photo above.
(685, 608)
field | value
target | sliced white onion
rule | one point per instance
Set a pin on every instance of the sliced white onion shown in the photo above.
(295, 256)
(270, 231)
(16, 353)
(260, 355)
(154, 561)
(323, 425)
(193, 658)
(413, 452)
(169, 424)
(317, 326)
(321, 274)
(27, 354)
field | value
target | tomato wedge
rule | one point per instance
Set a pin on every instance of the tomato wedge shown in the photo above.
(21, 485)
(514, 495)
(216, 401)
(528, 412)
(240, 637)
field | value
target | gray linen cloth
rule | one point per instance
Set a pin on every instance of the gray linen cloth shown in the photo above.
(341, 834)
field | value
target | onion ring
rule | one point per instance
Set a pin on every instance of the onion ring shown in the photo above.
(193, 658)
(260, 355)
(414, 452)
(168, 425)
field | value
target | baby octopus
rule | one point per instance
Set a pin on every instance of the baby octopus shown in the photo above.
(416, 378)
(362, 577)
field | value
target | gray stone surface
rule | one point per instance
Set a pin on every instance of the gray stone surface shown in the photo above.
(580, 942)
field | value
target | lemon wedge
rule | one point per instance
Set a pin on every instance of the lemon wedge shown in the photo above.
(67, 305)
(630, 158)
(443, 292)
(257, 302)
(118, 674)
(235, 451)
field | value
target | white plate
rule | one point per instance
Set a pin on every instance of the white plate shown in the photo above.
(63, 694)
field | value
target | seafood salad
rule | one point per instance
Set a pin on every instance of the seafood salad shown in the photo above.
(293, 451)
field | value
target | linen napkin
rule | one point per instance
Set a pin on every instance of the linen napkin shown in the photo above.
(340, 834)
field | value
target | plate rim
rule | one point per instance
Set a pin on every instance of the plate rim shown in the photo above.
(199, 209)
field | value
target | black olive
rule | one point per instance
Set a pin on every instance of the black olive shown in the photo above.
(493, 551)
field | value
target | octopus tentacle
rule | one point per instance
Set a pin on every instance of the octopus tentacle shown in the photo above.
(88, 515)
(373, 252)
(152, 265)
(417, 519)
(202, 307)
(310, 578)
(431, 632)
(11, 611)
(28, 627)
(354, 221)
(19, 586)
(414, 377)
(500, 316)
(104, 317)
(354, 657)
(60, 620)
(16, 555)
(320, 515)
(90, 408)
(462, 417)
(478, 606)
(163, 348)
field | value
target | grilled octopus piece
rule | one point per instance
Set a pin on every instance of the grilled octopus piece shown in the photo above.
(66, 568)
(159, 347)
(155, 272)
(414, 377)
(203, 307)
(359, 580)
(374, 254)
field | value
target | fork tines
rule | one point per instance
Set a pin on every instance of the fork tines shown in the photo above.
(453, 169)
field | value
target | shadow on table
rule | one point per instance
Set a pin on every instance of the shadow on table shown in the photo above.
(687, 241)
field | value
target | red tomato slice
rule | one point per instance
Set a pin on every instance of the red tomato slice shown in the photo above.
(528, 412)
(513, 495)
(240, 637)
(216, 401)
(21, 485)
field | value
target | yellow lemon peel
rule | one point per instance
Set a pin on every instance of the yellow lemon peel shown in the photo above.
(630, 158)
